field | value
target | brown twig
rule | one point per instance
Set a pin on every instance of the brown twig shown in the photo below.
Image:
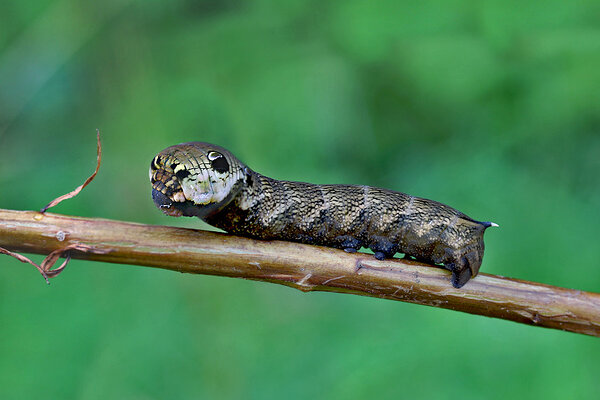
(304, 267)
(79, 188)
(45, 268)
(27, 260)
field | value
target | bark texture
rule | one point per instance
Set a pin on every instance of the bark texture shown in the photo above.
(304, 267)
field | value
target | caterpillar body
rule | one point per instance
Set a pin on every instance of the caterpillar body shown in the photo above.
(207, 181)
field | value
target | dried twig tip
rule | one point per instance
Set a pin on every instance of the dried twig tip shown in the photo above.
(80, 187)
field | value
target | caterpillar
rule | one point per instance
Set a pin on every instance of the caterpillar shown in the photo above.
(207, 181)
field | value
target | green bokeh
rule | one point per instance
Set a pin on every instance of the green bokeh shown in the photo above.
(492, 107)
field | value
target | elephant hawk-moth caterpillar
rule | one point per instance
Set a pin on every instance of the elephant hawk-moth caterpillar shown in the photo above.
(207, 181)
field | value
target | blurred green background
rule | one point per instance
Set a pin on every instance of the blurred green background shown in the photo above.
(492, 107)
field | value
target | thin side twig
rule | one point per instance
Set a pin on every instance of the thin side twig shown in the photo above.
(304, 267)
(26, 260)
(79, 188)
(45, 268)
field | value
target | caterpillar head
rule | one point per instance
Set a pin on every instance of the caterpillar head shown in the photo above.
(195, 179)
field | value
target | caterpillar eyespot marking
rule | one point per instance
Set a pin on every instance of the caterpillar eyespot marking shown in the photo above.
(218, 162)
(207, 181)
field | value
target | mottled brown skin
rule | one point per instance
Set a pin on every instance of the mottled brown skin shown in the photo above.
(207, 181)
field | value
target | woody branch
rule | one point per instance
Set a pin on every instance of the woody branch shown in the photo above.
(304, 267)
